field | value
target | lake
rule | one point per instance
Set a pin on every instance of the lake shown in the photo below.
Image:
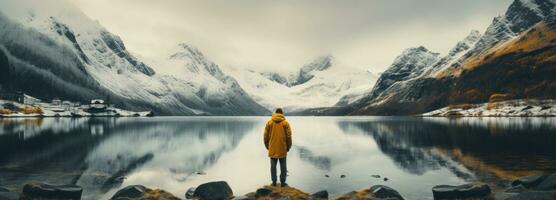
(174, 153)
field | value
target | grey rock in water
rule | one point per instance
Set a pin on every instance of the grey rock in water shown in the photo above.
(190, 193)
(375, 176)
(342, 176)
(47, 191)
(382, 191)
(131, 191)
(472, 190)
(323, 194)
(214, 191)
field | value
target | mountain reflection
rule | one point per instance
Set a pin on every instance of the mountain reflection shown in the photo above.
(320, 162)
(173, 153)
(98, 153)
(486, 146)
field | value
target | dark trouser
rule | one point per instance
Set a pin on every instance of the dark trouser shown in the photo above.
(283, 169)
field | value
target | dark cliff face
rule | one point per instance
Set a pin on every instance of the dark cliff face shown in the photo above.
(30, 71)
(521, 17)
(5, 68)
(115, 44)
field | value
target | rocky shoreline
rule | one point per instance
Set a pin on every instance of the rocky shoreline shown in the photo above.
(508, 108)
(541, 187)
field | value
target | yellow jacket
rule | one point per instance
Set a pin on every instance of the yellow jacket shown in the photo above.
(277, 136)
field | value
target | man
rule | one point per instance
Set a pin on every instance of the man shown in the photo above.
(278, 141)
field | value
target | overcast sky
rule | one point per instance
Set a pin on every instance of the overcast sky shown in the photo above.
(289, 33)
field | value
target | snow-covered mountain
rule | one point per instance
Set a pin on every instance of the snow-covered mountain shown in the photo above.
(513, 59)
(412, 63)
(57, 51)
(303, 75)
(321, 83)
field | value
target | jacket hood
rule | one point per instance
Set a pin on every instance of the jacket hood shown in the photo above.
(277, 117)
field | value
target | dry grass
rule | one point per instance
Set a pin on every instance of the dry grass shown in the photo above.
(498, 97)
(465, 106)
(157, 194)
(4, 111)
(494, 99)
(31, 110)
(278, 192)
(540, 36)
(363, 194)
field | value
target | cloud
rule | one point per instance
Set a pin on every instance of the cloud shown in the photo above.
(287, 34)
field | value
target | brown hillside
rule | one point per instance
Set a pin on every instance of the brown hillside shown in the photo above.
(521, 68)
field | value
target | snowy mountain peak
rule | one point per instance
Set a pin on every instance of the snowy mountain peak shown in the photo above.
(466, 43)
(320, 64)
(520, 16)
(412, 63)
(187, 51)
(196, 61)
(453, 58)
(304, 74)
(412, 59)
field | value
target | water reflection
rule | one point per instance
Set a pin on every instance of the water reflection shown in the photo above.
(498, 148)
(104, 154)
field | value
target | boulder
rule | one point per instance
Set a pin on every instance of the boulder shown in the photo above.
(213, 191)
(549, 183)
(262, 192)
(320, 194)
(382, 191)
(529, 181)
(132, 191)
(190, 193)
(472, 190)
(46, 191)
(537, 195)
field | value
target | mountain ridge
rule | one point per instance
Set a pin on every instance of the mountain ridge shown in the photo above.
(106, 69)
(473, 81)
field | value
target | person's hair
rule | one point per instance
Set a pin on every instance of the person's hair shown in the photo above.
(279, 110)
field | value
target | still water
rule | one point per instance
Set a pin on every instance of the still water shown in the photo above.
(175, 153)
